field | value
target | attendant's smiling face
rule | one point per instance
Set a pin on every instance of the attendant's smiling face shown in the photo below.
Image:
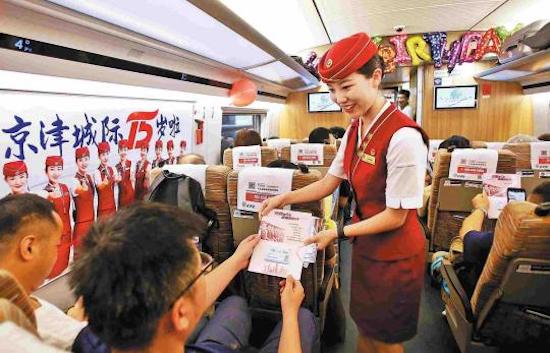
(82, 163)
(356, 93)
(17, 183)
(54, 173)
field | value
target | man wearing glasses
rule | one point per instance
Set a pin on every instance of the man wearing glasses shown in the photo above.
(145, 287)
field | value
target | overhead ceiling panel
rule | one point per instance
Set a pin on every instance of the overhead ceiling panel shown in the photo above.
(280, 73)
(345, 17)
(516, 11)
(292, 25)
(178, 23)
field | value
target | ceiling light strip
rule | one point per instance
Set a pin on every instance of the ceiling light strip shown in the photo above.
(30, 46)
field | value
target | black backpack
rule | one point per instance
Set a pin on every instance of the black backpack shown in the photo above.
(184, 192)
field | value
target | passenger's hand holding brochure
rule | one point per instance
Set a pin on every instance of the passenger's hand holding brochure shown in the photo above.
(495, 187)
(281, 249)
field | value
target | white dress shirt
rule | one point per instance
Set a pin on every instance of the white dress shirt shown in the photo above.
(55, 327)
(406, 163)
(407, 110)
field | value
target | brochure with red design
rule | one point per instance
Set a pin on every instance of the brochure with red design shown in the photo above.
(495, 187)
(281, 249)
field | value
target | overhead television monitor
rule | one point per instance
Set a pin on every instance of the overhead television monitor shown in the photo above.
(320, 102)
(455, 97)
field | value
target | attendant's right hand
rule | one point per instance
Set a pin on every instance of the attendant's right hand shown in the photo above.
(271, 204)
(292, 295)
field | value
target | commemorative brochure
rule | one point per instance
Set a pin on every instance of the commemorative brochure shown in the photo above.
(281, 250)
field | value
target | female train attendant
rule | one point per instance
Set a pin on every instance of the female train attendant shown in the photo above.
(383, 156)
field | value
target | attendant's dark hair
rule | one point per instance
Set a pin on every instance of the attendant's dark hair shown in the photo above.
(405, 93)
(544, 137)
(376, 62)
(132, 267)
(457, 141)
(543, 190)
(319, 135)
(17, 211)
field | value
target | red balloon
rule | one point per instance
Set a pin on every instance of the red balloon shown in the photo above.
(243, 92)
(490, 43)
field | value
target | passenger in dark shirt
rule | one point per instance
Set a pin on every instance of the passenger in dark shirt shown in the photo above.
(477, 244)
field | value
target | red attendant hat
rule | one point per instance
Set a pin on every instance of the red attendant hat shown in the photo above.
(103, 147)
(82, 152)
(170, 144)
(346, 56)
(54, 161)
(122, 144)
(158, 144)
(12, 169)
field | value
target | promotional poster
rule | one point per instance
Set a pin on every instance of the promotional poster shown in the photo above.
(89, 156)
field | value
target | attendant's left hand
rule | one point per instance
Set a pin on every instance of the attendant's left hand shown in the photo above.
(322, 239)
(244, 250)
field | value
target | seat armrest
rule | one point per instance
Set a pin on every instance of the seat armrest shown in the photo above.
(456, 292)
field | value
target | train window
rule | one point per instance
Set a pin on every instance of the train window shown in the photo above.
(231, 123)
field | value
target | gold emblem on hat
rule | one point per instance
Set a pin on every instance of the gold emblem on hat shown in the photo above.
(328, 64)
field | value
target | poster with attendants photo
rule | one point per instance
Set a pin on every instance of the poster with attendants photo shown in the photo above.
(89, 156)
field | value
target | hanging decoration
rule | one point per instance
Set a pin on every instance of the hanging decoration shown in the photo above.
(387, 52)
(502, 33)
(490, 43)
(401, 51)
(417, 49)
(437, 42)
(243, 92)
(468, 47)
(377, 40)
(453, 55)
(311, 64)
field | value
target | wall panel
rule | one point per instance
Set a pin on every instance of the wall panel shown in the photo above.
(506, 112)
(296, 122)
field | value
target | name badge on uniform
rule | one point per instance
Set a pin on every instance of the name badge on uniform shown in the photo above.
(368, 157)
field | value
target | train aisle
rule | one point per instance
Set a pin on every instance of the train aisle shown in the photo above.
(433, 335)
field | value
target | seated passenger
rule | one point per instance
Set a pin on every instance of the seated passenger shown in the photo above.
(337, 131)
(457, 141)
(30, 231)
(423, 211)
(145, 289)
(522, 138)
(477, 244)
(247, 137)
(191, 158)
(320, 135)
